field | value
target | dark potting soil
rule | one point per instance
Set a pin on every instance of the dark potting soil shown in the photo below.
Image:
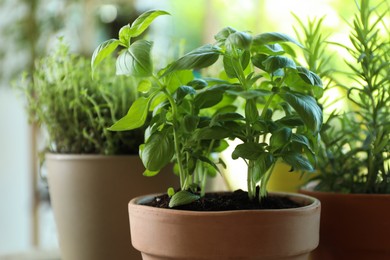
(222, 201)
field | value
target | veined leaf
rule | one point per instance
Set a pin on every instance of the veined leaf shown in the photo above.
(262, 165)
(307, 108)
(250, 151)
(273, 63)
(102, 51)
(143, 22)
(125, 36)
(281, 137)
(182, 197)
(157, 151)
(273, 37)
(241, 40)
(136, 60)
(135, 117)
(199, 58)
(297, 161)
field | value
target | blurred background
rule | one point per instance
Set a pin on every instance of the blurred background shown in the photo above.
(30, 28)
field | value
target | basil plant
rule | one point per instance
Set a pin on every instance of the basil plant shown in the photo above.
(263, 98)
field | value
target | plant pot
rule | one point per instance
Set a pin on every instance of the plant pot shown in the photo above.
(247, 234)
(353, 226)
(89, 195)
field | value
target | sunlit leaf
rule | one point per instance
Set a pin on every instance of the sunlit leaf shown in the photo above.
(136, 60)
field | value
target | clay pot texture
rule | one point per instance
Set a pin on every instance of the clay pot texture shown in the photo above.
(246, 234)
(89, 195)
(353, 226)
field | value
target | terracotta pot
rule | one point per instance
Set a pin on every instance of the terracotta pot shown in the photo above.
(353, 226)
(89, 195)
(247, 234)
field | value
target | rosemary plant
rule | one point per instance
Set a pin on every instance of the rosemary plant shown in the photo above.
(355, 149)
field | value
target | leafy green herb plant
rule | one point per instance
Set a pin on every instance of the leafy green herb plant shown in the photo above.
(191, 117)
(76, 111)
(354, 155)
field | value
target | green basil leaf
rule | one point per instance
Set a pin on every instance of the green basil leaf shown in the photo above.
(178, 78)
(182, 197)
(273, 63)
(222, 35)
(103, 51)
(297, 161)
(144, 86)
(143, 22)
(136, 60)
(280, 138)
(241, 40)
(211, 133)
(199, 58)
(135, 117)
(251, 112)
(183, 91)
(190, 123)
(250, 151)
(158, 150)
(223, 117)
(148, 173)
(307, 108)
(273, 37)
(262, 165)
(125, 36)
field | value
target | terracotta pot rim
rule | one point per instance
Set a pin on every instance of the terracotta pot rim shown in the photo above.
(311, 192)
(66, 156)
(314, 204)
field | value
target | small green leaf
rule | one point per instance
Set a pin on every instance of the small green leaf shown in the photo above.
(135, 117)
(290, 121)
(190, 123)
(144, 86)
(208, 98)
(281, 137)
(182, 197)
(273, 63)
(178, 78)
(199, 58)
(197, 84)
(125, 36)
(307, 108)
(103, 51)
(241, 40)
(270, 49)
(158, 150)
(301, 139)
(222, 35)
(148, 173)
(297, 161)
(250, 151)
(143, 22)
(136, 60)
(223, 117)
(211, 133)
(170, 191)
(183, 91)
(262, 165)
(273, 37)
(251, 112)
